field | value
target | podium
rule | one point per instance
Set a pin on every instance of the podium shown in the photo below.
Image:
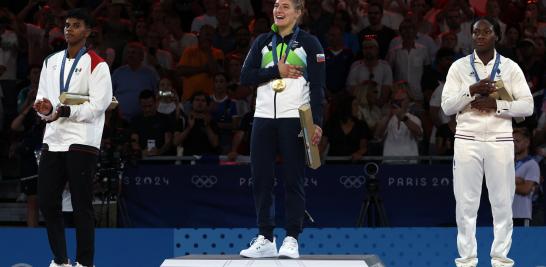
(304, 261)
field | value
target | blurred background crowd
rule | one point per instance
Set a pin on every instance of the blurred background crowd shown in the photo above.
(175, 68)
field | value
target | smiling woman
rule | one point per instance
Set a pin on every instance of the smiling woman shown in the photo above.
(286, 14)
(287, 66)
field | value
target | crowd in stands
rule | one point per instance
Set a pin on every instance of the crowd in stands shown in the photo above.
(175, 68)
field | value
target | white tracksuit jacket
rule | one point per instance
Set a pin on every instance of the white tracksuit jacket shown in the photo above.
(484, 146)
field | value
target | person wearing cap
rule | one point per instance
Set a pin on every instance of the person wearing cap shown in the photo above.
(371, 68)
(483, 140)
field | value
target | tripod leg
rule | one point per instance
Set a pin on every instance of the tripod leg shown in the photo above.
(382, 215)
(363, 212)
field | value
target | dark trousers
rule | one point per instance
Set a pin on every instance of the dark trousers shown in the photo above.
(521, 222)
(269, 138)
(77, 167)
(9, 101)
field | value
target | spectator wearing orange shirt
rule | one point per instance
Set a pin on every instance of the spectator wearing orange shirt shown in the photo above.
(198, 64)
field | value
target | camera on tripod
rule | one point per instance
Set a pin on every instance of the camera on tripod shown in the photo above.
(372, 209)
(109, 168)
(370, 171)
(113, 157)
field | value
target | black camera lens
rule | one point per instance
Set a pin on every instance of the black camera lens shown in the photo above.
(371, 168)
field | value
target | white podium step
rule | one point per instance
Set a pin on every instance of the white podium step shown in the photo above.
(304, 261)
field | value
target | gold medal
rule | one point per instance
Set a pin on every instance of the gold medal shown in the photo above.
(278, 85)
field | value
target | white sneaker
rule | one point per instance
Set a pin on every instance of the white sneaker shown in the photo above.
(260, 247)
(289, 248)
(79, 265)
(495, 262)
(53, 264)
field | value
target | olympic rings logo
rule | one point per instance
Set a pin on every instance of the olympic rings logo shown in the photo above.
(352, 181)
(204, 181)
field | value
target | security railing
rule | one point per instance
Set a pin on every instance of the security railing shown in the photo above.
(330, 159)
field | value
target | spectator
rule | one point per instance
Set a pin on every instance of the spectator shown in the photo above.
(156, 21)
(40, 36)
(418, 11)
(116, 136)
(151, 131)
(177, 40)
(140, 31)
(260, 24)
(96, 42)
(224, 38)
(449, 41)
(9, 46)
(131, 79)
(508, 43)
(400, 130)
(445, 138)
(493, 10)
(531, 19)
(240, 145)
(455, 23)
(241, 11)
(423, 39)
(209, 18)
(540, 49)
(369, 110)
(200, 137)
(242, 38)
(527, 178)
(224, 112)
(233, 69)
(435, 73)
(391, 18)
(23, 96)
(154, 56)
(240, 94)
(437, 115)
(532, 67)
(338, 61)
(169, 101)
(382, 33)
(371, 68)
(409, 59)
(117, 30)
(317, 21)
(28, 129)
(350, 40)
(198, 64)
(345, 134)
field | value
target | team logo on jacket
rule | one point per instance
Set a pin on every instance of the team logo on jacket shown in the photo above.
(78, 70)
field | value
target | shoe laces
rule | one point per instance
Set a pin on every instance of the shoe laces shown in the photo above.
(258, 241)
(290, 242)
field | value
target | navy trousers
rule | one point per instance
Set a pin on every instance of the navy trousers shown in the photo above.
(272, 137)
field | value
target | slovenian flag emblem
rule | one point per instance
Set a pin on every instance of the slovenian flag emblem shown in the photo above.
(320, 58)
